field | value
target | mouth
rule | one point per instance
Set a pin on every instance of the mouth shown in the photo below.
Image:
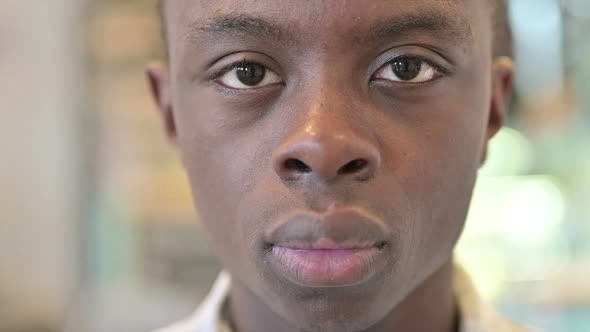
(337, 249)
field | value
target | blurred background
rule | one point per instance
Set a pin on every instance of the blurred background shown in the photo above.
(97, 231)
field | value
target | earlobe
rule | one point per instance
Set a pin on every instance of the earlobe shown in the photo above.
(502, 83)
(158, 76)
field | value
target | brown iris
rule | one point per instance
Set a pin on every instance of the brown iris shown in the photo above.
(407, 68)
(250, 74)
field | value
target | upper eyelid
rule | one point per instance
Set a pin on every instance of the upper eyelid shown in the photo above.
(226, 69)
(427, 53)
(417, 50)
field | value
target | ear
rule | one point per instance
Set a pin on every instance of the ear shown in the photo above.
(502, 82)
(158, 75)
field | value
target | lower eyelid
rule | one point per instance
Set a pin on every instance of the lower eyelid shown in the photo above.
(256, 95)
(224, 87)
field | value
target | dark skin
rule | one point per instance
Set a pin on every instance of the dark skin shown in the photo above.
(384, 107)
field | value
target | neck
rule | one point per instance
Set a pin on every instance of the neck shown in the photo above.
(430, 307)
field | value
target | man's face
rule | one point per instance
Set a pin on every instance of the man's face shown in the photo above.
(332, 146)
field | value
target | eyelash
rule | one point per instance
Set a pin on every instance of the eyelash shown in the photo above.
(242, 62)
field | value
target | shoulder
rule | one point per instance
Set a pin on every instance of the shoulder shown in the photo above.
(478, 316)
(207, 318)
(497, 323)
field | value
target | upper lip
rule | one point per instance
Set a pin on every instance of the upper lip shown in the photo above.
(339, 229)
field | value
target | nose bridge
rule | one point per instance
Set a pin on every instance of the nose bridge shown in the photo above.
(329, 138)
(329, 111)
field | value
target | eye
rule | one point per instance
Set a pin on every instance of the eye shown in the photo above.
(248, 75)
(408, 70)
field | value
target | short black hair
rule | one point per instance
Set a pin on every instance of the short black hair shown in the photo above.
(502, 41)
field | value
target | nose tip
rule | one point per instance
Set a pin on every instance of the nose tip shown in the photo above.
(329, 159)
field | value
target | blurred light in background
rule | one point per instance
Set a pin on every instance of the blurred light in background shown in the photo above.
(97, 215)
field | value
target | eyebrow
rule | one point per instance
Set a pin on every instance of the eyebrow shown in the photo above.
(455, 28)
(232, 25)
(244, 25)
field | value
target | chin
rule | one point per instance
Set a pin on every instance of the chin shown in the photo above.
(328, 312)
(343, 308)
(319, 323)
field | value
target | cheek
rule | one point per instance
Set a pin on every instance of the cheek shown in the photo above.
(443, 172)
(216, 189)
(233, 192)
(216, 159)
(227, 159)
(433, 149)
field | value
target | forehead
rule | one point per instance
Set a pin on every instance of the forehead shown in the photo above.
(351, 19)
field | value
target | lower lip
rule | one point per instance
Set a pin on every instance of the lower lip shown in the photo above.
(326, 268)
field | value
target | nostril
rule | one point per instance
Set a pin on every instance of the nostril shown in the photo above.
(353, 167)
(296, 165)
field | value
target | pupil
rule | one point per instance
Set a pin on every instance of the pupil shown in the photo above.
(250, 74)
(407, 68)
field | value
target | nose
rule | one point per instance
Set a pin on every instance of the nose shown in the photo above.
(329, 153)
